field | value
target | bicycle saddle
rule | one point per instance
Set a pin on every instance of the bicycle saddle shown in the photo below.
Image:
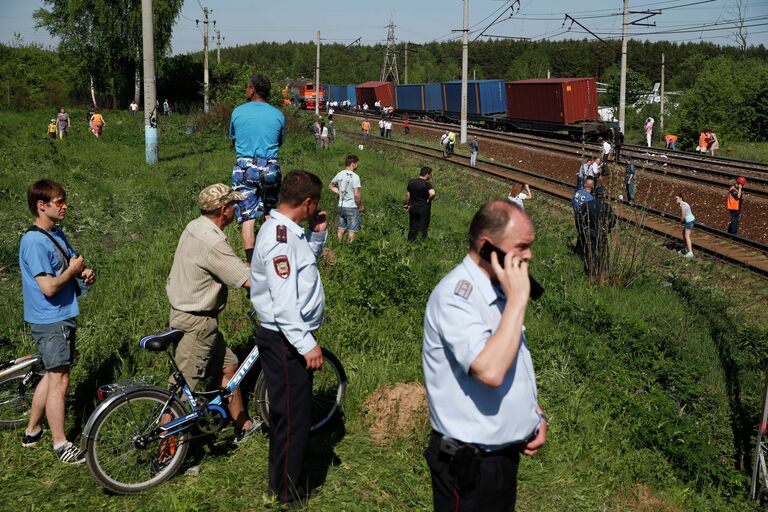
(160, 342)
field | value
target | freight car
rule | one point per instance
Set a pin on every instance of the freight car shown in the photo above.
(370, 92)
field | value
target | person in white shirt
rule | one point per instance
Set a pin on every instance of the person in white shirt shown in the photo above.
(346, 184)
(520, 192)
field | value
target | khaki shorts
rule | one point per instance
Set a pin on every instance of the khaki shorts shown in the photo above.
(202, 352)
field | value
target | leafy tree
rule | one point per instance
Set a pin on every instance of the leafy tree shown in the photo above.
(103, 38)
(637, 86)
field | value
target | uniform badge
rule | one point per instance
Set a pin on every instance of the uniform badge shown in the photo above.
(281, 233)
(282, 267)
(463, 289)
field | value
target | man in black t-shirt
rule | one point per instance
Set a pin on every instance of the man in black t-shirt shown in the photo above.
(418, 202)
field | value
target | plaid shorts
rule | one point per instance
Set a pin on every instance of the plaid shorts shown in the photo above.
(258, 179)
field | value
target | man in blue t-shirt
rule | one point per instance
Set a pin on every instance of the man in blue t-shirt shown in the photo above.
(49, 268)
(257, 130)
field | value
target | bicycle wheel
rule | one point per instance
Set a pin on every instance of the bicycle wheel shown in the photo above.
(124, 452)
(328, 387)
(15, 402)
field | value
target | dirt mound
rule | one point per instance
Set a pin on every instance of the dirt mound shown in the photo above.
(641, 498)
(396, 410)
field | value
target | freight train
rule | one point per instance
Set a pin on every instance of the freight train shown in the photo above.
(555, 106)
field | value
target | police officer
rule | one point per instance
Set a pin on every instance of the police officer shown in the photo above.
(288, 298)
(478, 371)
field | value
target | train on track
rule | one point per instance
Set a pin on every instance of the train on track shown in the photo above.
(302, 92)
(554, 106)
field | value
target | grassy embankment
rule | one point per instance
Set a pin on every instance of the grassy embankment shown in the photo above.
(648, 386)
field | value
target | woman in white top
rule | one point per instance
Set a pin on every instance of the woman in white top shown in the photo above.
(688, 220)
(520, 192)
(323, 136)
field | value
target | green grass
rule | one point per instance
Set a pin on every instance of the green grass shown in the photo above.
(632, 377)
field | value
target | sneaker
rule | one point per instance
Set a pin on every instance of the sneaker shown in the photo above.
(69, 454)
(242, 435)
(32, 439)
(689, 255)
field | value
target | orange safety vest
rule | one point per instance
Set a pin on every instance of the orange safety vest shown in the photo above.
(703, 140)
(366, 126)
(733, 203)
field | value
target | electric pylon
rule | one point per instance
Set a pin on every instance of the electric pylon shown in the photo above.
(389, 69)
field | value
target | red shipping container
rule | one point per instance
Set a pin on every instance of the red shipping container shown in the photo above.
(553, 100)
(369, 92)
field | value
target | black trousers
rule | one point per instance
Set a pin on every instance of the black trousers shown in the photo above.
(289, 386)
(418, 221)
(733, 226)
(495, 488)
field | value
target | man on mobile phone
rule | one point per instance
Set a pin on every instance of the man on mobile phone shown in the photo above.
(478, 371)
(289, 301)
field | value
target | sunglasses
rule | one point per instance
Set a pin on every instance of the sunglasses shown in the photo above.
(59, 202)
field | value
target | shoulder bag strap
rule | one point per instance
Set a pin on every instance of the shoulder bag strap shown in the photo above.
(56, 244)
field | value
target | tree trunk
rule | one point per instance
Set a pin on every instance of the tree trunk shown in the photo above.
(93, 94)
(137, 78)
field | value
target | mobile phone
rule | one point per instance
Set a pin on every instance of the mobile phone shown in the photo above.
(485, 252)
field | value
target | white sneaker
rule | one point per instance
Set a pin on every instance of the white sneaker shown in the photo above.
(69, 454)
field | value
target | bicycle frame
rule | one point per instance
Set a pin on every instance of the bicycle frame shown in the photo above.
(19, 365)
(759, 475)
(216, 404)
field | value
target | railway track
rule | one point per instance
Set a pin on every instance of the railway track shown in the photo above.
(732, 249)
(655, 161)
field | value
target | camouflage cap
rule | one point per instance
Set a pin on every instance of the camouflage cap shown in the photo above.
(217, 195)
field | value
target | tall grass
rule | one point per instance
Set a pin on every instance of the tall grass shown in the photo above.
(628, 376)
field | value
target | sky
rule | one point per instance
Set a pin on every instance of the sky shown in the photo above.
(343, 21)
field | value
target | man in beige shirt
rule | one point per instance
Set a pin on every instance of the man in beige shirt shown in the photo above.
(204, 266)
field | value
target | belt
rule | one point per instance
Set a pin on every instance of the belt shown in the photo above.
(210, 314)
(259, 159)
(447, 445)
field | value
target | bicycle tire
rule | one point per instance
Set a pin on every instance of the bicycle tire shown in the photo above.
(329, 384)
(15, 402)
(112, 453)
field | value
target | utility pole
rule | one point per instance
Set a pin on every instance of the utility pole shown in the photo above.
(623, 84)
(661, 113)
(317, 77)
(406, 62)
(218, 46)
(150, 95)
(206, 12)
(464, 66)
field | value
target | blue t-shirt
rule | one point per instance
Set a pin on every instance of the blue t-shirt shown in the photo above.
(258, 129)
(580, 197)
(38, 255)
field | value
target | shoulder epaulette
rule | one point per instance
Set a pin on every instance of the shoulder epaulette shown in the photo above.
(281, 233)
(463, 289)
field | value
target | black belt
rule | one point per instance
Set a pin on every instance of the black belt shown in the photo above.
(450, 446)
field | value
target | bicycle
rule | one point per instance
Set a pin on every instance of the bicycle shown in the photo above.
(128, 446)
(759, 468)
(18, 379)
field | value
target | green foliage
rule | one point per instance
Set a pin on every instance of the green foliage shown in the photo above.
(31, 76)
(637, 86)
(729, 97)
(102, 39)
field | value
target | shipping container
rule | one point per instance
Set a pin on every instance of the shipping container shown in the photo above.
(351, 96)
(484, 97)
(369, 92)
(418, 97)
(554, 100)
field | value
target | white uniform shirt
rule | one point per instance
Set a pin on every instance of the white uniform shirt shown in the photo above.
(606, 147)
(388, 125)
(286, 290)
(463, 311)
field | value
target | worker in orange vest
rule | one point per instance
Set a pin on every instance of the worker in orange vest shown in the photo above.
(366, 127)
(735, 194)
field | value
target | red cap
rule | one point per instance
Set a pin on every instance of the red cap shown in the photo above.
(741, 180)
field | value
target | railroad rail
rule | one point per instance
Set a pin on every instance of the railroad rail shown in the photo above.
(736, 250)
(657, 162)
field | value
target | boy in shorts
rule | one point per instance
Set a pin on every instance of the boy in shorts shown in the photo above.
(49, 268)
(346, 184)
